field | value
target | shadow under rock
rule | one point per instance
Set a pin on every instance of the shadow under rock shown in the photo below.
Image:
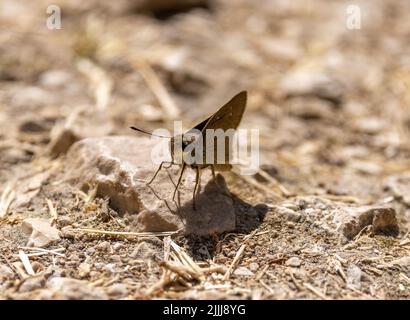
(245, 216)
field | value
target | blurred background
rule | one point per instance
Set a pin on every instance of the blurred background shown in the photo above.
(331, 102)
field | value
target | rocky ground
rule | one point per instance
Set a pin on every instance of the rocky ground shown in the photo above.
(326, 217)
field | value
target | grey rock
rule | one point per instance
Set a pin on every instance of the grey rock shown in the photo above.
(71, 289)
(118, 246)
(243, 271)
(354, 276)
(115, 258)
(90, 251)
(309, 83)
(55, 78)
(120, 166)
(103, 246)
(84, 269)
(370, 125)
(350, 220)
(403, 261)
(78, 126)
(62, 139)
(253, 267)
(64, 221)
(144, 251)
(32, 97)
(110, 267)
(32, 283)
(400, 186)
(5, 272)
(117, 290)
(41, 233)
(288, 213)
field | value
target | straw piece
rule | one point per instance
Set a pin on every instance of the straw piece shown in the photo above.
(315, 291)
(185, 259)
(41, 251)
(404, 277)
(26, 263)
(101, 84)
(122, 233)
(53, 212)
(235, 262)
(158, 89)
(6, 199)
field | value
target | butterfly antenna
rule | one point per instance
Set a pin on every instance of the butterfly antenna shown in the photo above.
(151, 134)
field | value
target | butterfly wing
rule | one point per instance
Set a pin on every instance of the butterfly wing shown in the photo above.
(227, 117)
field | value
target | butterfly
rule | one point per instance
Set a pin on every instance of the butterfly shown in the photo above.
(227, 117)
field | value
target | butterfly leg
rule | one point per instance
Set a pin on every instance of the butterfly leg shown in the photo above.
(198, 189)
(170, 165)
(155, 175)
(213, 173)
(195, 188)
(179, 181)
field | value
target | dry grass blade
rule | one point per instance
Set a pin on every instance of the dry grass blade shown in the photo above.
(185, 259)
(19, 267)
(158, 89)
(101, 84)
(315, 291)
(181, 270)
(269, 289)
(285, 192)
(166, 275)
(218, 269)
(405, 241)
(26, 263)
(53, 212)
(262, 272)
(405, 278)
(260, 186)
(90, 195)
(6, 199)
(235, 262)
(123, 233)
(295, 282)
(41, 251)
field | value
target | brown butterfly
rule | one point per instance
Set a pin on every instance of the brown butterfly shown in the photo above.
(227, 117)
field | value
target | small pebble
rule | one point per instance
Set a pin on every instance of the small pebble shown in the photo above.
(253, 266)
(243, 271)
(293, 262)
(103, 246)
(115, 258)
(118, 246)
(84, 269)
(64, 221)
(117, 290)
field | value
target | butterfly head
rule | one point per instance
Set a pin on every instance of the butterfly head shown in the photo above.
(178, 147)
